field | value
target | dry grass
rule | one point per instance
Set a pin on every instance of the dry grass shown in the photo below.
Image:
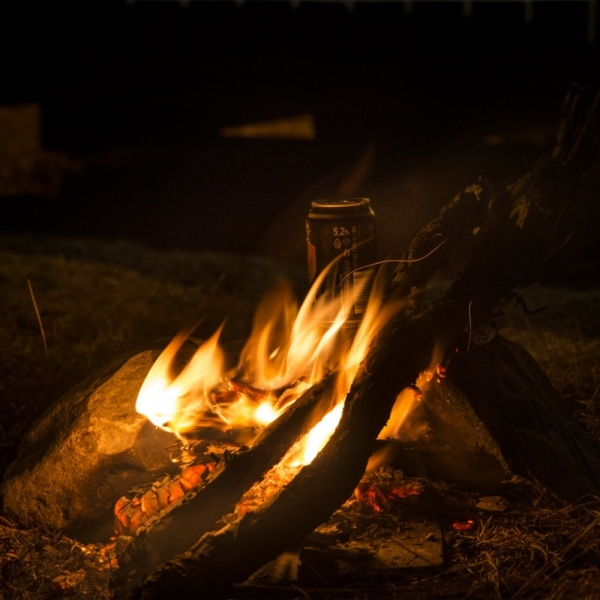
(524, 553)
(37, 564)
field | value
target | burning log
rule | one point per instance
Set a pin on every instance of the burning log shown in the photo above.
(165, 534)
(236, 551)
(132, 513)
(521, 228)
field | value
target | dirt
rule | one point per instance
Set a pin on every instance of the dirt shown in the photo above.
(97, 300)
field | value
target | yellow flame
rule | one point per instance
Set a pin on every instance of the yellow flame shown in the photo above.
(289, 347)
(172, 402)
(406, 399)
(380, 457)
(265, 413)
(377, 315)
(313, 442)
(402, 407)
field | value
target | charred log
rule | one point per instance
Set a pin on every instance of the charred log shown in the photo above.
(497, 412)
(444, 240)
(176, 529)
(236, 551)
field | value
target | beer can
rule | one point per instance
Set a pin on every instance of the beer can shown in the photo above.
(343, 229)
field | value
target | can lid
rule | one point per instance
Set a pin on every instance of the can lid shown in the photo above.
(342, 203)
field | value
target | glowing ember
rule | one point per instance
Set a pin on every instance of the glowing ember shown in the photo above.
(131, 512)
(464, 525)
(379, 495)
(289, 349)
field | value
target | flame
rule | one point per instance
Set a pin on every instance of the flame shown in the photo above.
(404, 404)
(377, 315)
(172, 402)
(407, 398)
(380, 457)
(290, 348)
(288, 342)
(304, 452)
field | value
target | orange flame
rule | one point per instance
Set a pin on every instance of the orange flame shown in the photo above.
(407, 398)
(172, 402)
(288, 346)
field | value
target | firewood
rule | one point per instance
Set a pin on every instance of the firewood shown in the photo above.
(237, 550)
(522, 228)
(448, 235)
(532, 425)
(132, 512)
(172, 531)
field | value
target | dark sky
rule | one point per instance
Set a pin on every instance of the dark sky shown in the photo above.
(117, 47)
(139, 90)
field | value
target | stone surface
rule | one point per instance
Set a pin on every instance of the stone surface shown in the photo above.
(87, 450)
(526, 417)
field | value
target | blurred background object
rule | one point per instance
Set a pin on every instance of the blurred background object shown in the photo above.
(25, 168)
(212, 125)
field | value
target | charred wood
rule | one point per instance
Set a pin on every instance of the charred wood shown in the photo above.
(444, 240)
(237, 550)
(177, 528)
(497, 413)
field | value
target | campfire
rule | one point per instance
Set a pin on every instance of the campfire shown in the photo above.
(311, 427)
(212, 409)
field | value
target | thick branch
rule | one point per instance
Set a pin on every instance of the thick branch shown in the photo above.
(453, 229)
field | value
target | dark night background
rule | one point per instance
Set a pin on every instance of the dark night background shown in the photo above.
(412, 101)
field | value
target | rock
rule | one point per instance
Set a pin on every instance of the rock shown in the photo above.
(526, 417)
(87, 450)
(494, 414)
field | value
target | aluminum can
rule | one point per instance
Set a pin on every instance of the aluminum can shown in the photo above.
(345, 230)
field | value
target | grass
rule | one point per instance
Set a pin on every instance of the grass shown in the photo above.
(96, 301)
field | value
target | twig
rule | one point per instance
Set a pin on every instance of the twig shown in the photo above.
(395, 261)
(39, 318)
(470, 327)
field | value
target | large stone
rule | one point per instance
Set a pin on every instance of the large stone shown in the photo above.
(526, 417)
(88, 449)
(497, 413)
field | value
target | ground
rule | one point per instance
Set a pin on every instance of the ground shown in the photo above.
(97, 300)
